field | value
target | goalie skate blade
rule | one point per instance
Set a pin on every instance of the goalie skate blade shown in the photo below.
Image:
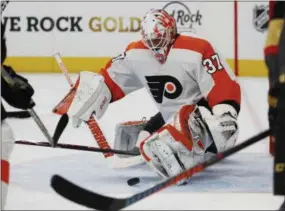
(84, 197)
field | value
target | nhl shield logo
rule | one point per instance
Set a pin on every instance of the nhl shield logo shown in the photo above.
(261, 17)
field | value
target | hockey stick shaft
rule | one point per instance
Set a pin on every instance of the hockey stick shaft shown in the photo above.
(63, 69)
(76, 147)
(18, 114)
(100, 202)
(41, 126)
(92, 124)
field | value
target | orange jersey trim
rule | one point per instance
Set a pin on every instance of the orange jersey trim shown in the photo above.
(190, 43)
(136, 45)
(178, 136)
(116, 91)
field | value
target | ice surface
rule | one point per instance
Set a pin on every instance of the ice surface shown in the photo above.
(243, 181)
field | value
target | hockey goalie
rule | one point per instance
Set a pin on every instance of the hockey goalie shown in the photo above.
(195, 91)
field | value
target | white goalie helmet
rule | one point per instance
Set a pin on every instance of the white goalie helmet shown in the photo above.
(158, 32)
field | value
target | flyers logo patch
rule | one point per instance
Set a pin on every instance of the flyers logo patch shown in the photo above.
(164, 86)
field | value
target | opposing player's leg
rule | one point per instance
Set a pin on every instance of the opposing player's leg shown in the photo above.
(279, 175)
(7, 147)
(275, 61)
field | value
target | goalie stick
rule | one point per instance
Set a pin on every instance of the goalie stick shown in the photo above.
(100, 202)
(61, 125)
(92, 124)
(79, 147)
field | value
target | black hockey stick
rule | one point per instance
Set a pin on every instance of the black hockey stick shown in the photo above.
(59, 130)
(61, 125)
(41, 125)
(79, 147)
(100, 202)
(18, 114)
(57, 133)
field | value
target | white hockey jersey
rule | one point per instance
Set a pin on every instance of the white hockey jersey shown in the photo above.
(193, 70)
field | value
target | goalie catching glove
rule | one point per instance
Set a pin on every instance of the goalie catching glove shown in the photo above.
(128, 135)
(187, 142)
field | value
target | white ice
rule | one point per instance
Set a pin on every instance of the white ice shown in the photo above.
(243, 181)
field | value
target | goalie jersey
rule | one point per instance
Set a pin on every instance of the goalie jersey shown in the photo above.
(194, 70)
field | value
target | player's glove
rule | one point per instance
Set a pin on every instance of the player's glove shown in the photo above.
(16, 89)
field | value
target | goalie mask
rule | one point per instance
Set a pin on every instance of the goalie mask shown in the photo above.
(158, 33)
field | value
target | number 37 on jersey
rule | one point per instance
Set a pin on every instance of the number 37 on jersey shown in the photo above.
(212, 64)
